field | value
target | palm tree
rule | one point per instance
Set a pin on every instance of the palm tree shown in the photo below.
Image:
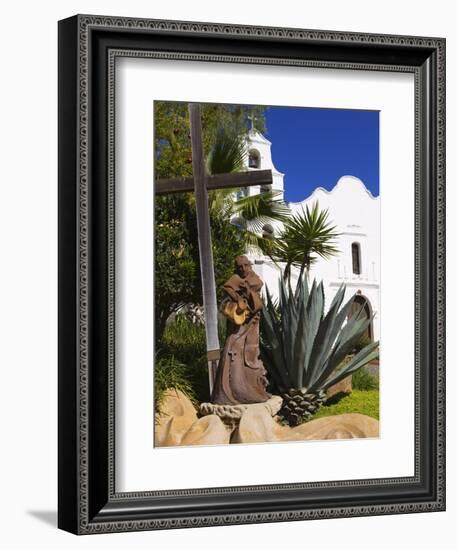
(306, 236)
(249, 214)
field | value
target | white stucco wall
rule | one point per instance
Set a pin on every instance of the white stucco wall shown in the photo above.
(356, 214)
(259, 143)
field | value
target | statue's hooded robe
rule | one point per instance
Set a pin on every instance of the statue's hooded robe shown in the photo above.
(241, 376)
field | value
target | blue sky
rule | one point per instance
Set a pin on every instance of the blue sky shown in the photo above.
(315, 147)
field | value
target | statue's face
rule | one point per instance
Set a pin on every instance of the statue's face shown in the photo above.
(243, 266)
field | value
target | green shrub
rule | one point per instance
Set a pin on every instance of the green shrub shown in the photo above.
(170, 373)
(185, 342)
(359, 401)
(363, 380)
(183, 339)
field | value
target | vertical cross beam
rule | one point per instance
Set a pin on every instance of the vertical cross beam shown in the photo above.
(204, 242)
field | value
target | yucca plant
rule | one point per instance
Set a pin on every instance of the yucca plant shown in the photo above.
(306, 236)
(303, 348)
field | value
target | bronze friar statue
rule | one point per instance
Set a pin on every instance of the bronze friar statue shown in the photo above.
(241, 376)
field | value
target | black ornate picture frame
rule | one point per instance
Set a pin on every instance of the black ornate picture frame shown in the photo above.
(88, 501)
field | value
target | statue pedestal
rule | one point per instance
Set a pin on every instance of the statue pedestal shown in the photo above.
(231, 414)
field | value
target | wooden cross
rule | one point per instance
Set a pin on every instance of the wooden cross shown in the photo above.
(200, 184)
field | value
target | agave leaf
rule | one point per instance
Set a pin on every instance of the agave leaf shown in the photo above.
(272, 312)
(352, 328)
(325, 336)
(272, 351)
(271, 344)
(363, 357)
(291, 317)
(299, 347)
(302, 290)
(324, 369)
(343, 346)
(279, 377)
(314, 309)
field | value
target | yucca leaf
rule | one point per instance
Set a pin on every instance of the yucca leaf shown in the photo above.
(305, 235)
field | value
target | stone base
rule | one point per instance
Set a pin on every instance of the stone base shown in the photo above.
(232, 414)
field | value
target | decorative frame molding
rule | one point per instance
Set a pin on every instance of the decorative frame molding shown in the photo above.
(88, 47)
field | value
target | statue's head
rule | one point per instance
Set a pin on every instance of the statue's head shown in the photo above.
(243, 266)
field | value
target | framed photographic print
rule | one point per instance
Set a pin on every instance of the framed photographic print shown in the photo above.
(251, 274)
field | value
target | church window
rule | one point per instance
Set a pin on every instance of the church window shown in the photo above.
(356, 263)
(254, 159)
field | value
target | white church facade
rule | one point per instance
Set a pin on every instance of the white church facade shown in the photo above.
(356, 214)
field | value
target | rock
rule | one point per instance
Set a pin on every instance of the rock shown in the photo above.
(343, 386)
(176, 403)
(208, 430)
(232, 414)
(173, 431)
(178, 424)
(177, 414)
(257, 426)
(341, 426)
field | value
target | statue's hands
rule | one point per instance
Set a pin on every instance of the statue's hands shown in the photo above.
(245, 285)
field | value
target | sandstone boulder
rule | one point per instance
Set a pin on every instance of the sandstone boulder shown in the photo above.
(176, 403)
(177, 414)
(257, 426)
(178, 424)
(343, 386)
(208, 430)
(341, 426)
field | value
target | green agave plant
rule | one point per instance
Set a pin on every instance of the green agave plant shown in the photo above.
(303, 348)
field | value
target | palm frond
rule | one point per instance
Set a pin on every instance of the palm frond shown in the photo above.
(306, 236)
(268, 206)
(228, 153)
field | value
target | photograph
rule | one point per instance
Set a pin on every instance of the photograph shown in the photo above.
(267, 287)
(251, 273)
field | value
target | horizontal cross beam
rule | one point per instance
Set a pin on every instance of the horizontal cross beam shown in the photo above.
(218, 181)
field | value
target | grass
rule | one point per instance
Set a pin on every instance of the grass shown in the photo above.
(170, 373)
(359, 401)
(181, 360)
